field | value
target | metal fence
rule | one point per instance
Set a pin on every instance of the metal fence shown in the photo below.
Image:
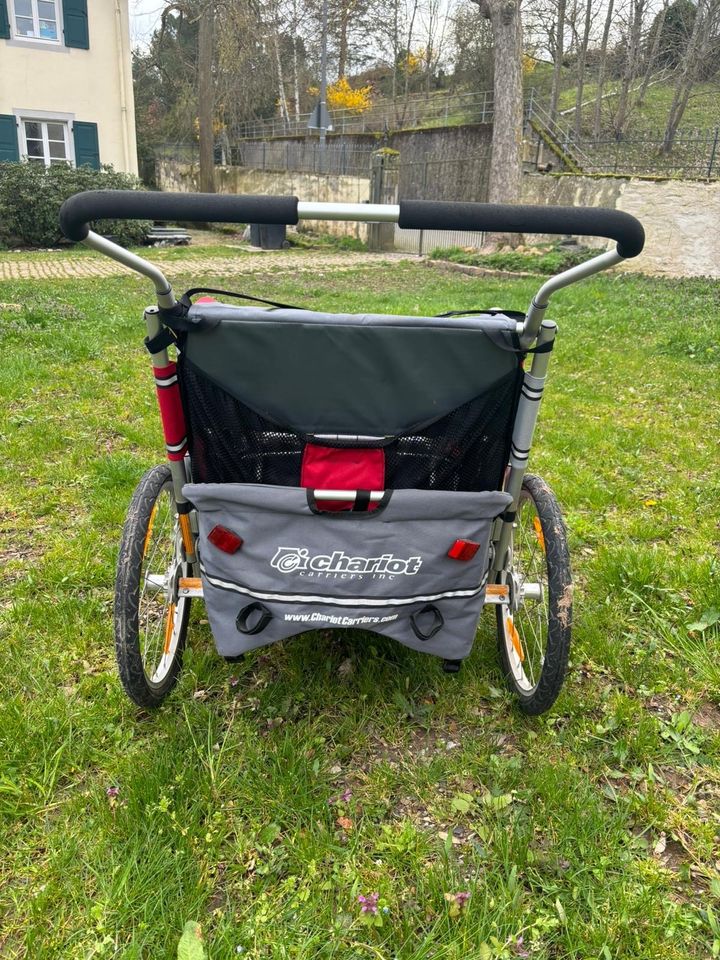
(423, 242)
(299, 156)
(305, 156)
(695, 155)
(415, 110)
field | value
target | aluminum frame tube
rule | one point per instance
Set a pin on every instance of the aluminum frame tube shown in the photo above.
(165, 295)
(362, 212)
(178, 470)
(541, 300)
(522, 436)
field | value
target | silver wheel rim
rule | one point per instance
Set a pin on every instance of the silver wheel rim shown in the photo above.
(525, 623)
(161, 614)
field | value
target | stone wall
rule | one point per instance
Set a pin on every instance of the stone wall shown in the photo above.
(680, 217)
(436, 163)
(308, 186)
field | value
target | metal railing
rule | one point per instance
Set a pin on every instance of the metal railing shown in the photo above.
(415, 110)
(558, 136)
(695, 155)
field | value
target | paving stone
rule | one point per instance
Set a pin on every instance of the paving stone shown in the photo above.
(72, 268)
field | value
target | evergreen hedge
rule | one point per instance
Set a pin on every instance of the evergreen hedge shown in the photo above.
(31, 195)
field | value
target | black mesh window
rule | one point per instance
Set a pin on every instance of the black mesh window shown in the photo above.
(467, 449)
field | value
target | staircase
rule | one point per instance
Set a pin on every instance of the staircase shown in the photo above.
(558, 138)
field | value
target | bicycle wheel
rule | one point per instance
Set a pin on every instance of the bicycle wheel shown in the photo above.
(150, 619)
(533, 628)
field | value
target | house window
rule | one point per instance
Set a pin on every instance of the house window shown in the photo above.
(46, 141)
(37, 20)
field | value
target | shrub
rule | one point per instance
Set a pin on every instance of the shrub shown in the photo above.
(31, 195)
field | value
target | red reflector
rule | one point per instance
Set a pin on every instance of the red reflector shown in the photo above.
(225, 539)
(463, 550)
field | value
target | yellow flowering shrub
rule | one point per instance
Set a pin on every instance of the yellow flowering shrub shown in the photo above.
(341, 96)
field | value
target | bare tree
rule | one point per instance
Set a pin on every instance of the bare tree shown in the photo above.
(701, 42)
(202, 11)
(602, 69)
(558, 49)
(396, 32)
(206, 98)
(630, 66)
(506, 160)
(652, 57)
(582, 58)
(433, 30)
(472, 48)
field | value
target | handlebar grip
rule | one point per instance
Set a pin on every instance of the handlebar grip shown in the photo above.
(524, 218)
(77, 211)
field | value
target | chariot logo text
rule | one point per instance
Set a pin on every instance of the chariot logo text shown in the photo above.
(299, 560)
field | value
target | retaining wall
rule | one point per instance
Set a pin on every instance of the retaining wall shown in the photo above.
(680, 217)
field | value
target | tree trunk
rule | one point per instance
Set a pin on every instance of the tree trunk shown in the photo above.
(343, 37)
(652, 56)
(506, 159)
(602, 70)
(558, 53)
(406, 93)
(622, 114)
(582, 56)
(206, 99)
(282, 99)
(296, 79)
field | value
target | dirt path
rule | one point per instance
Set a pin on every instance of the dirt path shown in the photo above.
(26, 267)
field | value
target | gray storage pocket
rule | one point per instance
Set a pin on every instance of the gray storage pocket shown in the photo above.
(385, 570)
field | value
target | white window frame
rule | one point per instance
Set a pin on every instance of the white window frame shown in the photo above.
(36, 24)
(45, 117)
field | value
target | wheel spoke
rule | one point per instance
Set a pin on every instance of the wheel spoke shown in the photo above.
(531, 618)
(150, 621)
(160, 618)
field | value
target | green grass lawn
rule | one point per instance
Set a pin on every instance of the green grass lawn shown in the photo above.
(266, 796)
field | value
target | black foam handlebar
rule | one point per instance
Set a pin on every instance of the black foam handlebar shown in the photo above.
(523, 218)
(78, 211)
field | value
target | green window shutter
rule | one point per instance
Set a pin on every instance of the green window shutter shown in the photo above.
(75, 21)
(8, 139)
(87, 152)
(4, 21)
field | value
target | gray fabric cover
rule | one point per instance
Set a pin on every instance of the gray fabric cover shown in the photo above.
(370, 570)
(342, 373)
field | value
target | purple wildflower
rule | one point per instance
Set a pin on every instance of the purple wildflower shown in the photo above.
(518, 947)
(462, 898)
(369, 904)
(343, 798)
(112, 792)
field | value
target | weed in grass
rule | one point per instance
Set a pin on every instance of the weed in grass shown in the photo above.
(543, 259)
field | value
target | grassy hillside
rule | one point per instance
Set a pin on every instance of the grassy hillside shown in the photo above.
(703, 110)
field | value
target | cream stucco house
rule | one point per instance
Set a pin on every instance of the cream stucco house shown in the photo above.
(66, 83)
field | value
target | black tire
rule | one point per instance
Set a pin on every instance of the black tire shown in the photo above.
(535, 660)
(142, 610)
